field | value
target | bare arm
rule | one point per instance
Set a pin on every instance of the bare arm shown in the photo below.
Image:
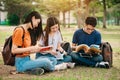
(60, 48)
(31, 49)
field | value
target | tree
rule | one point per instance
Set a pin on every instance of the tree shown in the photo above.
(105, 12)
(86, 3)
(114, 10)
(82, 11)
(78, 13)
(19, 8)
(69, 5)
(95, 7)
(57, 6)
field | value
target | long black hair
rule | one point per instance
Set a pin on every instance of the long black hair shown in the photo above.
(36, 32)
(51, 21)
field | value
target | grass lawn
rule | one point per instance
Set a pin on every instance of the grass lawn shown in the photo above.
(111, 35)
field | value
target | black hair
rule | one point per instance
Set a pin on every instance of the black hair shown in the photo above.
(36, 32)
(91, 21)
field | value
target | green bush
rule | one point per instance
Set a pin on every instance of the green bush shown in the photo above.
(13, 19)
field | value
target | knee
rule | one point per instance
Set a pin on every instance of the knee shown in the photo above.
(98, 58)
(74, 55)
(48, 65)
(69, 58)
(47, 61)
(54, 61)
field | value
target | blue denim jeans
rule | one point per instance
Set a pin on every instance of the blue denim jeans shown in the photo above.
(86, 61)
(67, 58)
(25, 63)
(52, 58)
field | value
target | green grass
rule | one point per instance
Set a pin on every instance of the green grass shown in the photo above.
(80, 72)
(3, 36)
(111, 35)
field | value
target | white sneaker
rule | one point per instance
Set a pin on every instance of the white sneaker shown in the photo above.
(71, 65)
(61, 66)
(103, 65)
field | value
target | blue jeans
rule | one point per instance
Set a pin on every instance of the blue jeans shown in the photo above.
(25, 63)
(67, 58)
(49, 56)
(86, 61)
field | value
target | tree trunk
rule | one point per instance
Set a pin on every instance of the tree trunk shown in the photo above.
(117, 21)
(86, 2)
(93, 12)
(69, 19)
(64, 22)
(78, 13)
(104, 17)
(78, 20)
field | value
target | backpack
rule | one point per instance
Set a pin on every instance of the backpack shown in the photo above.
(107, 52)
(66, 46)
(8, 56)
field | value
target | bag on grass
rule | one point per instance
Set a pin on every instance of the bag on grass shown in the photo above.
(8, 57)
(107, 52)
(66, 46)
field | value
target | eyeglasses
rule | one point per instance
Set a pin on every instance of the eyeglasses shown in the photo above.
(90, 29)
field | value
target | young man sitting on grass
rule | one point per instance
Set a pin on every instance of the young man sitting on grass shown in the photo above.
(89, 36)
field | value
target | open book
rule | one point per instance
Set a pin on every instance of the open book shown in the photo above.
(93, 49)
(46, 48)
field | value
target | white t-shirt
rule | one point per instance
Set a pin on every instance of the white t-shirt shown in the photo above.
(53, 41)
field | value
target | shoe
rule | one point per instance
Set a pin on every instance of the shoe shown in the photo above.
(71, 65)
(103, 65)
(61, 66)
(37, 71)
(13, 72)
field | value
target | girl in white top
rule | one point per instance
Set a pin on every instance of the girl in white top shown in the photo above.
(54, 41)
(53, 38)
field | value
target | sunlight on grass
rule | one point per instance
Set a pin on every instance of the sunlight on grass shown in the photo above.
(108, 35)
(80, 72)
(3, 36)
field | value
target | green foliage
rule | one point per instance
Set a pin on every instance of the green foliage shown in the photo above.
(13, 19)
(53, 7)
(16, 9)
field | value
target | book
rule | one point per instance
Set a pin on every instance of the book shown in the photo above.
(46, 48)
(92, 49)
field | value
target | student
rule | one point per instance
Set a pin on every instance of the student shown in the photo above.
(53, 38)
(23, 48)
(88, 35)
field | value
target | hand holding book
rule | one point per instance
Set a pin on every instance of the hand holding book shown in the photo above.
(93, 49)
(46, 48)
